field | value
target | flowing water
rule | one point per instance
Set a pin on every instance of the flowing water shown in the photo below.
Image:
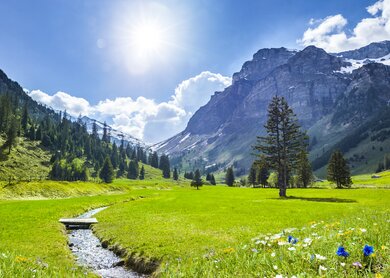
(89, 252)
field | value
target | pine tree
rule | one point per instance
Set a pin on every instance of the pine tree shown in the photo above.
(208, 177)
(165, 166)
(262, 175)
(132, 173)
(175, 174)
(229, 179)
(107, 171)
(197, 181)
(11, 135)
(283, 142)
(154, 160)
(212, 180)
(252, 174)
(106, 136)
(24, 120)
(114, 156)
(142, 173)
(304, 171)
(338, 170)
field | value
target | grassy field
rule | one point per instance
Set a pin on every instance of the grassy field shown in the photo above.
(363, 181)
(215, 231)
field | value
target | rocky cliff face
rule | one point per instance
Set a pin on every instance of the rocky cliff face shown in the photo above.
(320, 87)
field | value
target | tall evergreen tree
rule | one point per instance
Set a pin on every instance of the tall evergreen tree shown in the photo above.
(106, 135)
(304, 171)
(24, 120)
(154, 160)
(212, 180)
(175, 174)
(338, 170)
(107, 171)
(262, 175)
(133, 171)
(283, 142)
(142, 173)
(229, 179)
(11, 134)
(252, 174)
(165, 166)
(197, 181)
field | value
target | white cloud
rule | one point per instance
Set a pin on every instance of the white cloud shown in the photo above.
(143, 118)
(63, 101)
(330, 33)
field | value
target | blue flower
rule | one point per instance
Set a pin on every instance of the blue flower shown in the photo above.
(341, 252)
(368, 250)
(292, 239)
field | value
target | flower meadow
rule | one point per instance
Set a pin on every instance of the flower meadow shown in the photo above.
(356, 247)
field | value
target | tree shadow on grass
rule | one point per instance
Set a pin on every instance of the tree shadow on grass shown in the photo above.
(312, 199)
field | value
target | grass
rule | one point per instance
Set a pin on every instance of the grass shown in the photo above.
(179, 227)
(363, 181)
(27, 161)
(191, 232)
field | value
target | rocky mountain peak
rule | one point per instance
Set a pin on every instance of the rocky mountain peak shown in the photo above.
(374, 50)
(313, 60)
(264, 61)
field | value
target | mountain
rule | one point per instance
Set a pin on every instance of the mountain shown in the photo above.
(333, 96)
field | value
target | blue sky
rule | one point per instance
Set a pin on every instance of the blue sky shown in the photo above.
(85, 48)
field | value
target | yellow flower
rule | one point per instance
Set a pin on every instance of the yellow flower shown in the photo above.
(378, 275)
(228, 250)
(384, 247)
(20, 259)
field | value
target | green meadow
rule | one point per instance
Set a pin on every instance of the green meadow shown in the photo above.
(177, 231)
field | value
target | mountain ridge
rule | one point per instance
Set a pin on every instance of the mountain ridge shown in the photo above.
(315, 85)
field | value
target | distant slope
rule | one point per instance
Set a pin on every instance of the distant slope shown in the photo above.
(27, 161)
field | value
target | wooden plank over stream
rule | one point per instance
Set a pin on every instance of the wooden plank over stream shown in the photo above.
(78, 221)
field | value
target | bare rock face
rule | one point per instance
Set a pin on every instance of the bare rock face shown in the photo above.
(223, 131)
(372, 51)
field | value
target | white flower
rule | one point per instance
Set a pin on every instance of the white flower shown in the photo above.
(323, 268)
(314, 234)
(319, 257)
(273, 254)
(291, 248)
(276, 236)
(254, 250)
(266, 238)
(304, 245)
(279, 276)
(275, 267)
(294, 276)
(342, 264)
(363, 230)
(280, 243)
(257, 242)
(307, 240)
(263, 242)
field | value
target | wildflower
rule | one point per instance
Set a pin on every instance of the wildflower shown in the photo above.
(20, 259)
(273, 254)
(228, 250)
(275, 267)
(312, 257)
(319, 257)
(363, 230)
(378, 275)
(279, 276)
(357, 264)
(307, 240)
(292, 239)
(254, 250)
(291, 249)
(368, 250)
(341, 252)
(280, 243)
(383, 247)
(323, 268)
(342, 264)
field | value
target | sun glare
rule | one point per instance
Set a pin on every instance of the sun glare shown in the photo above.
(148, 38)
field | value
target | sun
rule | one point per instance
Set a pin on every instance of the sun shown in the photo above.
(148, 39)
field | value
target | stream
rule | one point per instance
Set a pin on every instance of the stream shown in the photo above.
(89, 252)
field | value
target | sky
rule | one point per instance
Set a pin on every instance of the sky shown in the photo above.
(145, 67)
